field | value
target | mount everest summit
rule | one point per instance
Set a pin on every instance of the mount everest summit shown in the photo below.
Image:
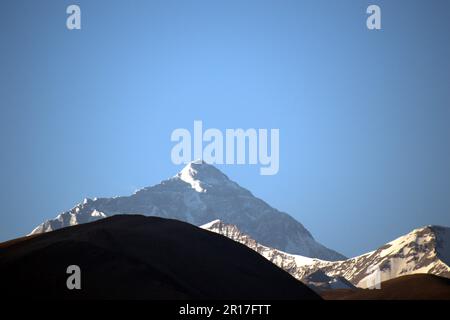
(198, 194)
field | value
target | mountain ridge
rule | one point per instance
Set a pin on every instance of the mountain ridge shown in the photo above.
(292, 264)
(423, 250)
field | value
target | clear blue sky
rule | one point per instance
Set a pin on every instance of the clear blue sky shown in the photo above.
(363, 116)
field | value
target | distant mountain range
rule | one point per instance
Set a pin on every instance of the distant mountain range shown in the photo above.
(202, 195)
(424, 250)
(199, 194)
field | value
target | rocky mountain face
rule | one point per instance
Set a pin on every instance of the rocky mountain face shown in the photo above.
(199, 194)
(424, 250)
(320, 282)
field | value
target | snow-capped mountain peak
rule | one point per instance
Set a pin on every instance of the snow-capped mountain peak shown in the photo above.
(202, 176)
(200, 193)
(423, 250)
(213, 225)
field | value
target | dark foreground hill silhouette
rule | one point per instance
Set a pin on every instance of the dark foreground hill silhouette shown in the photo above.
(411, 287)
(137, 257)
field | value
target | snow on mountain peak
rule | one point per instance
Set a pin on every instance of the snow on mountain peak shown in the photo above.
(201, 175)
(211, 224)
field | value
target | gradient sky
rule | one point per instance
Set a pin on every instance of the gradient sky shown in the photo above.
(363, 115)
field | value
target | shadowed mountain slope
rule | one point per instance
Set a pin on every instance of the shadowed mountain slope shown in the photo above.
(411, 287)
(137, 257)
